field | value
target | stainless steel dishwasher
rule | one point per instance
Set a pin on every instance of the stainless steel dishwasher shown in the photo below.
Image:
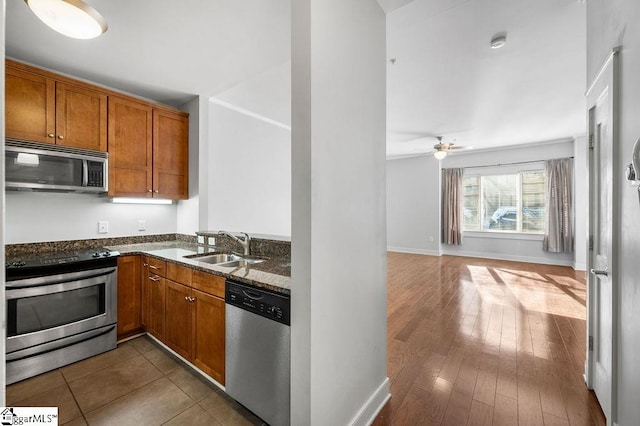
(258, 345)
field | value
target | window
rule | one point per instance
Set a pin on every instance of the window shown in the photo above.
(505, 202)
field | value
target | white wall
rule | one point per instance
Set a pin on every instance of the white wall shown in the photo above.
(413, 194)
(413, 210)
(188, 211)
(250, 158)
(610, 24)
(37, 217)
(526, 248)
(338, 353)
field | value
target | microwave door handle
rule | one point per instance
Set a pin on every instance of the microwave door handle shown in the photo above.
(85, 173)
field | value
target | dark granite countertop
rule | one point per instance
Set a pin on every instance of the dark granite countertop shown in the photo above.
(273, 274)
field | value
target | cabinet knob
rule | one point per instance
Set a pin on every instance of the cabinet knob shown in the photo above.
(51, 135)
(187, 299)
(150, 190)
(156, 191)
(60, 137)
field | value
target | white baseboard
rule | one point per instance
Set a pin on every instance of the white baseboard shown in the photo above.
(415, 251)
(368, 412)
(514, 258)
(580, 266)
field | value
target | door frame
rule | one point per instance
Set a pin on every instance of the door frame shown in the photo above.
(605, 81)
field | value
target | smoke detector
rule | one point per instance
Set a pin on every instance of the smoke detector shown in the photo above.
(498, 41)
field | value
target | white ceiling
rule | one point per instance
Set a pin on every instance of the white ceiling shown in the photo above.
(165, 50)
(445, 80)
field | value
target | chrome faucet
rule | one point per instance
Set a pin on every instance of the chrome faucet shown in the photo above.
(245, 242)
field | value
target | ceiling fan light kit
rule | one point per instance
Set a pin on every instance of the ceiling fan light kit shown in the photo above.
(440, 155)
(72, 18)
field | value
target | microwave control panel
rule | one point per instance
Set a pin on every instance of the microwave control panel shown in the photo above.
(95, 174)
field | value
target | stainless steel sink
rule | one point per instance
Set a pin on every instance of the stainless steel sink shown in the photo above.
(217, 258)
(224, 259)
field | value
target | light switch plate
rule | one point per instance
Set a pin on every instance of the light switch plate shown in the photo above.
(103, 227)
(142, 225)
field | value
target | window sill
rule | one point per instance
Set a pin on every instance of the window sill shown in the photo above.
(503, 235)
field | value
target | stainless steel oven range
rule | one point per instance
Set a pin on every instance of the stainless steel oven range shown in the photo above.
(60, 309)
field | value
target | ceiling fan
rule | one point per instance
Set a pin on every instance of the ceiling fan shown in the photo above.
(441, 149)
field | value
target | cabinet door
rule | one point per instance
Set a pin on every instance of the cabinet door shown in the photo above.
(170, 154)
(130, 149)
(129, 296)
(81, 117)
(156, 320)
(209, 335)
(29, 106)
(178, 319)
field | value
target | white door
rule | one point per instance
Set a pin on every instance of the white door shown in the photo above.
(602, 294)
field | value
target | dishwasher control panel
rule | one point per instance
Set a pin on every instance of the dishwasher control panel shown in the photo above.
(268, 304)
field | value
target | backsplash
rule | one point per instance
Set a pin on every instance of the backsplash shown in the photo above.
(261, 245)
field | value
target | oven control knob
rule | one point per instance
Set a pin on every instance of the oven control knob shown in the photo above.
(96, 254)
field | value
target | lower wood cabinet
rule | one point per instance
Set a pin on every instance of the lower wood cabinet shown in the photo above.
(157, 296)
(129, 296)
(179, 319)
(208, 348)
(185, 310)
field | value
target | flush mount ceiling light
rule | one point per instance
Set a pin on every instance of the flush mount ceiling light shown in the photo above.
(73, 18)
(498, 41)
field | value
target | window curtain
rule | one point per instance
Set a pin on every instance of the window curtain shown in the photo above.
(452, 206)
(559, 230)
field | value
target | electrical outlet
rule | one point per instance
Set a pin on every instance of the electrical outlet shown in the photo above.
(142, 225)
(103, 227)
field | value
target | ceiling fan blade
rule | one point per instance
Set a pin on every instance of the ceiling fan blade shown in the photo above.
(459, 147)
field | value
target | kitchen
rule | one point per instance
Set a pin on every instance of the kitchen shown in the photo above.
(77, 218)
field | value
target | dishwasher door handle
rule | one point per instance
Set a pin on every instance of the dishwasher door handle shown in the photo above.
(251, 295)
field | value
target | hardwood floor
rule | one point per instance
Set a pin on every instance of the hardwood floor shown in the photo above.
(484, 342)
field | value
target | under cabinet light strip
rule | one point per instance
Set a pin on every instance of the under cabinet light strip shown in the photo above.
(126, 200)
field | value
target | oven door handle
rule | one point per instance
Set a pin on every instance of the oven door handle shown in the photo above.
(59, 278)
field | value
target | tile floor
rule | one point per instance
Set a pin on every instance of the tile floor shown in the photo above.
(138, 383)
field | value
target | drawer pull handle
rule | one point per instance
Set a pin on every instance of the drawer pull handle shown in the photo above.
(154, 279)
(154, 267)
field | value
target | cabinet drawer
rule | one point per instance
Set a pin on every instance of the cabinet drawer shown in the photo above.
(209, 283)
(156, 266)
(179, 273)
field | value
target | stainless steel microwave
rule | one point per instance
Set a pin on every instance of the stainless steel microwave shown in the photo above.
(47, 167)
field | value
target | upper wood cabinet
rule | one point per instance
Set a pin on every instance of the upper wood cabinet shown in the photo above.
(170, 154)
(130, 148)
(81, 117)
(42, 108)
(148, 151)
(30, 105)
(148, 144)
